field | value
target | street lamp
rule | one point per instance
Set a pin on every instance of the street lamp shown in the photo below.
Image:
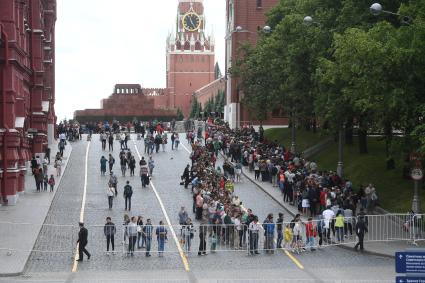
(376, 9)
(416, 174)
(308, 20)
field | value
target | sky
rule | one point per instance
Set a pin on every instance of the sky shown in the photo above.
(100, 43)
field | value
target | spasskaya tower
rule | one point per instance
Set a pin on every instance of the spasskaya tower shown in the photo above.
(190, 55)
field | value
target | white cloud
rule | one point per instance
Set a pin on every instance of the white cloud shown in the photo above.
(103, 42)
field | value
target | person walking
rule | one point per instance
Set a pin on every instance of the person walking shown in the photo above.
(109, 230)
(164, 141)
(111, 162)
(151, 165)
(147, 233)
(176, 141)
(132, 165)
(110, 192)
(186, 176)
(111, 142)
(58, 166)
(61, 147)
(132, 236)
(172, 140)
(161, 236)
(51, 182)
(103, 140)
(361, 229)
(114, 182)
(144, 177)
(128, 193)
(123, 164)
(82, 242)
(103, 162)
(38, 176)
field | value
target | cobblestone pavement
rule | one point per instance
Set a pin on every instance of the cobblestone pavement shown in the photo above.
(320, 266)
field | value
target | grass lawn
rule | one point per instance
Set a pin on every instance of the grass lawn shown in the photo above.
(304, 139)
(394, 192)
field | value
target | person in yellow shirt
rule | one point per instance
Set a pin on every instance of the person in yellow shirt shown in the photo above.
(288, 236)
(339, 226)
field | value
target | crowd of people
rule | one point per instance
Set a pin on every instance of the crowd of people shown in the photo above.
(328, 202)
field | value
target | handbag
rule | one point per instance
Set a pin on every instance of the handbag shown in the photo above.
(139, 229)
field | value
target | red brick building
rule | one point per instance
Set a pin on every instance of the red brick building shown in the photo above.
(210, 91)
(244, 21)
(129, 101)
(27, 87)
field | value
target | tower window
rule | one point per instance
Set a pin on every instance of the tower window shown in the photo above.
(259, 4)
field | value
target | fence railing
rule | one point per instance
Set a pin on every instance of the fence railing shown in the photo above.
(214, 238)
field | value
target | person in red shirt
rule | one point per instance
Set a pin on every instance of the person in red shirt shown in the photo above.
(311, 233)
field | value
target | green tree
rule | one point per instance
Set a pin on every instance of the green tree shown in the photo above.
(180, 115)
(194, 109)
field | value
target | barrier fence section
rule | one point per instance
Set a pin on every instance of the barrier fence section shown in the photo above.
(213, 238)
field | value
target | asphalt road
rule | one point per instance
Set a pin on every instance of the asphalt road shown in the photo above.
(57, 241)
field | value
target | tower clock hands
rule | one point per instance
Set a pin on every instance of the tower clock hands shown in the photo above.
(191, 22)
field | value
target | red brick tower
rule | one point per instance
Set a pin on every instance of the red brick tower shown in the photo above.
(190, 55)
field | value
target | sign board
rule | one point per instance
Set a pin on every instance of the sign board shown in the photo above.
(416, 174)
(409, 279)
(410, 262)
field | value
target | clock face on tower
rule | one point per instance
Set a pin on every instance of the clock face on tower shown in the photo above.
(191, 21)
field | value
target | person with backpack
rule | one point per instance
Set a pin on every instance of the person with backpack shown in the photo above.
(172, 140)
(128, 193)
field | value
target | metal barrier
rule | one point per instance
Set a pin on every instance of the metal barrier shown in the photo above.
(213, 238)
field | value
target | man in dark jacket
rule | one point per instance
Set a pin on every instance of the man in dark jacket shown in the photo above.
(128, 193)
(361, 229)
(82, 242)
(186, 176)
(109, 230)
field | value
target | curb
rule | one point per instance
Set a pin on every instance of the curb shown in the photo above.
(15, 274)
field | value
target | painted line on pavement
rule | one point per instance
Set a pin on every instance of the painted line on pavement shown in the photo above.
(173, 233)
(83, 204)
(185, 148)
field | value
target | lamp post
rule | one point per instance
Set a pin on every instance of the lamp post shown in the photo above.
(416, 173)
(308, 20)
(376, 9)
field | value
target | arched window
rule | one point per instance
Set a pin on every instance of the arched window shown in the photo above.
(259, 4)
(187, 46)
(198, 46)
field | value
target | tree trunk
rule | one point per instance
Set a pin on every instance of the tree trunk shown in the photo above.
(349, 131)
(314, 125)
(362, 133)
